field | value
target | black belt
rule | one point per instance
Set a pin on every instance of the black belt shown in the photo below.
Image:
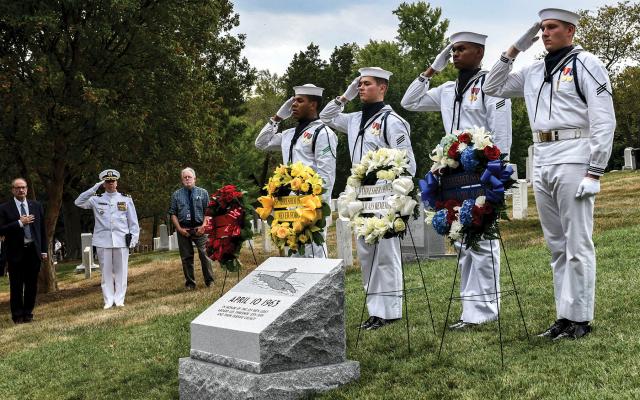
(30, 244)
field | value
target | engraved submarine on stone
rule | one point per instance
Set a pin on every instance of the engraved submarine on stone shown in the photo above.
(279, 282)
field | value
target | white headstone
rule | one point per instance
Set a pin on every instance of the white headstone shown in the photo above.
(87, 260)
(86, 240)
(267, 244)
(164, 237)
(259, 224)
(344, 241)
(529, 161)
(156, 244)
(428, 244)
(334, 205)
(520, 199)
(279, 333)
(630, 161)
(173, 241)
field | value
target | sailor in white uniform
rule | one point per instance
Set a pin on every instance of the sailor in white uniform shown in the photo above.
(310, 142)
(463, 104)
(569, 102)
(115, 218)
(376, 126)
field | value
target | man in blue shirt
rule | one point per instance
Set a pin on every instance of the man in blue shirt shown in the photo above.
(187, 210)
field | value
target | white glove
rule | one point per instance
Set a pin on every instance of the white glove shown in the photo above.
(285, 110)
(529, 38)
(352, 90)
(442, 59)
(588, 187)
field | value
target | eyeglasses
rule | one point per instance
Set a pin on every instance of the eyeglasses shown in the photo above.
(20, 187)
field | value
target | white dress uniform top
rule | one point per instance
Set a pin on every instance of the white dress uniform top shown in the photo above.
(316, 147)
(383, 262)
(475, 109)
(115, 216)
(573, 121)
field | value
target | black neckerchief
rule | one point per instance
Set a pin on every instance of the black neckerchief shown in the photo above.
(464, 76)
(302, 124)
(464, 79)
(552, 59)
(369, 110)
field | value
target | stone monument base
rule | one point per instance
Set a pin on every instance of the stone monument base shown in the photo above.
(204, 380)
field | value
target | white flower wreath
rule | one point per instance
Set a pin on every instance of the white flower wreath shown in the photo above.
(389, 166)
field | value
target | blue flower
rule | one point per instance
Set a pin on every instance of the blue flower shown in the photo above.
(468, 159)
(439, 222)
(466, 217)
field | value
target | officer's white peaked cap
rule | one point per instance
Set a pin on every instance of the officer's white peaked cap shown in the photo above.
(308, 89)
(375, 72)
(560, 15)
(109, 175)
(471, 37)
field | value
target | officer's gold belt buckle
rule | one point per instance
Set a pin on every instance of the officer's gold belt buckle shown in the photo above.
(548, 136)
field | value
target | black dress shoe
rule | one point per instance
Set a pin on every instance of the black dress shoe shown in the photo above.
(18, 320)
(209, 283)
(368, 322)
(574, 331)
(376, 324)
(27, 319)
(556, 328)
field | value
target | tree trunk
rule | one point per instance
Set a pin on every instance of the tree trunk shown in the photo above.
(72, 227)
(47, 279)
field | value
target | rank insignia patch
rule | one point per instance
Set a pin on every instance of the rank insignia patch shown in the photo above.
(122, 206)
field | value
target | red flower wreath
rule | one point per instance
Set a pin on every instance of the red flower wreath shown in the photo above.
(228, 227)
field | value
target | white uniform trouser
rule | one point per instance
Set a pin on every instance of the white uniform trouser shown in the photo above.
(386, 277)
(114, 266)
(476, 281)
(567, 224)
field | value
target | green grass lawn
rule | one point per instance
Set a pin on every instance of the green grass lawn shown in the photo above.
(76, 350)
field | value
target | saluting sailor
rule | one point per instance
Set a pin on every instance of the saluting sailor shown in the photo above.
(311, 142)
(569, 102)
(115, 218)
(376, 126)
(463, 104)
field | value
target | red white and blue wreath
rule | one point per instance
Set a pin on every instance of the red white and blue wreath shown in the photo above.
(464, 190)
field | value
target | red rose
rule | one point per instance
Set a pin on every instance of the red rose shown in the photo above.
(492, 152)
(476, 213)
(464, 138)
(453, 150)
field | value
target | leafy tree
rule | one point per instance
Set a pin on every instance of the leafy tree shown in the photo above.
(612, 32)
(141, 86)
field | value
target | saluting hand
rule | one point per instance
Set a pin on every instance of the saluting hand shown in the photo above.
(285, 110)
(528, 39)
(352, 90)
(442, 59)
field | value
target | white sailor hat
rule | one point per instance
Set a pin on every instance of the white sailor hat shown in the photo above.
(375, 72)
(109, 175)
(471, 37)
(308, 89)
(560, 15)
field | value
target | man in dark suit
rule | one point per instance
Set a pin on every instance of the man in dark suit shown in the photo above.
(22, 225)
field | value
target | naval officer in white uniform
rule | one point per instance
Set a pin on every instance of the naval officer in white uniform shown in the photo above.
(115, 218)
(570, 106)
(463, 104)
(311, 142)
(376, 126)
